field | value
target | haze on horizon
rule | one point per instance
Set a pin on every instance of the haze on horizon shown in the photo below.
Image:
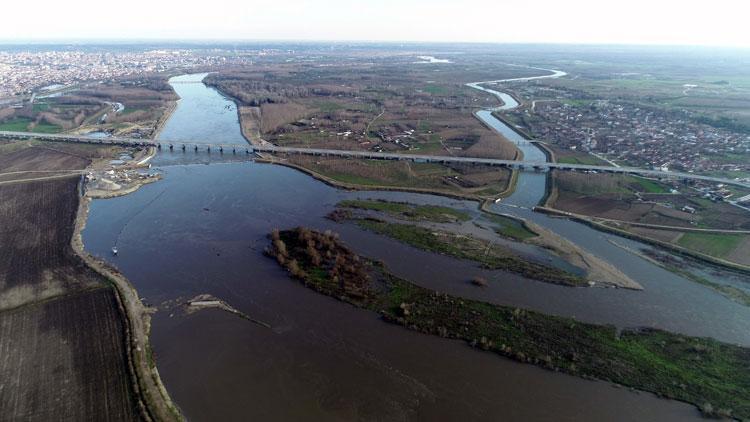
(722, 22)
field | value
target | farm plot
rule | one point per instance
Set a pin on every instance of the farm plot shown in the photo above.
(64, 359)
(36, 261)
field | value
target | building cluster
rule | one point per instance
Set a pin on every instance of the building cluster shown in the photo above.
(636, 135)
(25, 72)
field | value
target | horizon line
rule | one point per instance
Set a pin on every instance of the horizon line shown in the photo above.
(134, 41)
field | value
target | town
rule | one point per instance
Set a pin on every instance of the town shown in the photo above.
(45, 71)
(631, 134)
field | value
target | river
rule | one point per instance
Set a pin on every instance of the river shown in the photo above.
(202, 229)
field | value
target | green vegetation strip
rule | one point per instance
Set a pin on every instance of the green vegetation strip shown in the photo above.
(712, 375)
(718, 245)
(465, 247)
(19, 124)
(408, 211)
(510, 227)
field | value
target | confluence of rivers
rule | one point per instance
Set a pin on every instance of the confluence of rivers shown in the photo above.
(202, 229)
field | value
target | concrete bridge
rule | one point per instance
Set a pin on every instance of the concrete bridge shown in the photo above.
(247, 149)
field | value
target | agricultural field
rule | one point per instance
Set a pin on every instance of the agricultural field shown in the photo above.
(640, 200)
(657, 213)
(569, 156)
(132, 107)
(33, 160)
(478, 181)
(36, 261)
(63, 354)
(390, 104)
(64, 359)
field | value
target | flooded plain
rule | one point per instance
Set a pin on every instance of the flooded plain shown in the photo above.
(202, 229)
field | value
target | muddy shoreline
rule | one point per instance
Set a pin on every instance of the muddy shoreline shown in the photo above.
(154, 400)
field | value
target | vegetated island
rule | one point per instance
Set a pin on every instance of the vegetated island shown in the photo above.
(712, 375)
(488, 254)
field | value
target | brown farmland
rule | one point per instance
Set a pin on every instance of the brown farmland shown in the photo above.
(36, 261)
(462, 180)
(394, 105)
(63, 353)
(63, 360)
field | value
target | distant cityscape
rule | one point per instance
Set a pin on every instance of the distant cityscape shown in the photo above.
(22, 73)
(620, 132)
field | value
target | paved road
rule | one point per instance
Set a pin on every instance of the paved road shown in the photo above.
(202, 145)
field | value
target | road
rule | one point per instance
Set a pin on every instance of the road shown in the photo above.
(535, 165)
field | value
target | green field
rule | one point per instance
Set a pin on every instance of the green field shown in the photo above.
(510, 227)
(718, 245)
(18, 124)
(649, 186)
(435, 89)
(328, 106)
(46, 128)
(21, 124)
(589, 160)
(40, 107)
(489, 255)
(407, 211)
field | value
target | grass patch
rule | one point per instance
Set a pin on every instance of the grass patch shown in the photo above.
(489, 255)
(46, 128)
(408, 211)
(588, 160)
(649, 186)
(38, 107)
(714, 244)
(18, 124)
(510, 227)
(328, 106)
(435, 90)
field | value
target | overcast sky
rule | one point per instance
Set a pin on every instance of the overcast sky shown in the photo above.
(716, 22)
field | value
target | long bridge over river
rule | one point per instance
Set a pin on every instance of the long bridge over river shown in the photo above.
(255, 149)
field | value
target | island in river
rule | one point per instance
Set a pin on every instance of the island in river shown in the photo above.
(206, 228)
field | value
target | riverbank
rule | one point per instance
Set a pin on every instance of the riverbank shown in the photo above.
(105, 194)
(154, 399)
(597, 271)
(629, 235)
(270, 159)
(697, 372)
(164, 119)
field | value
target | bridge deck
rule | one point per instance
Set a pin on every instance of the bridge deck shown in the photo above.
(200, 145)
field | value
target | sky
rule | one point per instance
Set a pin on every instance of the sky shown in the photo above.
(716, 22)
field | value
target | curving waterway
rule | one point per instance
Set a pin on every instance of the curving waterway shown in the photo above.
(202, 229)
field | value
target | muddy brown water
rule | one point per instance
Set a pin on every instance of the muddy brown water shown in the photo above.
(202, 230)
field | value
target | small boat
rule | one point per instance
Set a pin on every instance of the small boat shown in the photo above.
(114, 250)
